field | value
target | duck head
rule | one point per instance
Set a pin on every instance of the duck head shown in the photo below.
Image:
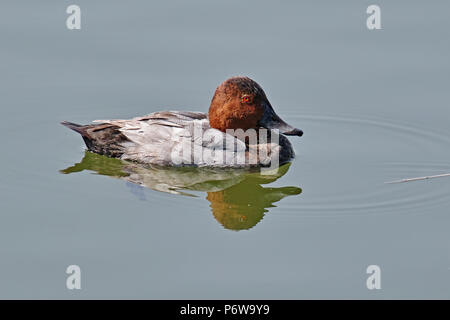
(240, 103)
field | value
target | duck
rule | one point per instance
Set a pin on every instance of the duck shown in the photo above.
(241, 129)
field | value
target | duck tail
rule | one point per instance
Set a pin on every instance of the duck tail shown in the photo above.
(75, 127)
(102, 138)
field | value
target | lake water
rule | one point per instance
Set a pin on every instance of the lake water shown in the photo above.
(374, 106)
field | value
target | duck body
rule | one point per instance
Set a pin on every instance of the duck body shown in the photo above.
(232, 135)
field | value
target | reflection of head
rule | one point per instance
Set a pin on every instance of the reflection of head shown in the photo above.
(234, 216)
(243, 205)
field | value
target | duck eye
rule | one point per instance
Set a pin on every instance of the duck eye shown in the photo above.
(245, 99)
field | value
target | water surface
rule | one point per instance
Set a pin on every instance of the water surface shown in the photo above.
(374, 106)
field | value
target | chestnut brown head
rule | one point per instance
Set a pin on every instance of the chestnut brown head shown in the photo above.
(240, 103)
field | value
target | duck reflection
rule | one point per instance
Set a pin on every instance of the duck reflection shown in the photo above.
(237, 198)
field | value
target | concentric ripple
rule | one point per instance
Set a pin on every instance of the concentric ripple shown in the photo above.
(347, 160)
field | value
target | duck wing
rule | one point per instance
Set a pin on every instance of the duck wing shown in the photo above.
(175, 138)
(161, 138)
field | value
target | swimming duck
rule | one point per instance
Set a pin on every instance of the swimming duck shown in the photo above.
(241, 129)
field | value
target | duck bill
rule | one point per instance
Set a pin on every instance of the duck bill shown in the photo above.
(287, 129)
(272, 121)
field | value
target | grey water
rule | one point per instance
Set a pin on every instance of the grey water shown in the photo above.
(374, 106)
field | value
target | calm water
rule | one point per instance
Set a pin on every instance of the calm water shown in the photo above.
(374, 106)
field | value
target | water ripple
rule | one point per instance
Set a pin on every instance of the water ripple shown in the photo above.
(382, 150)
